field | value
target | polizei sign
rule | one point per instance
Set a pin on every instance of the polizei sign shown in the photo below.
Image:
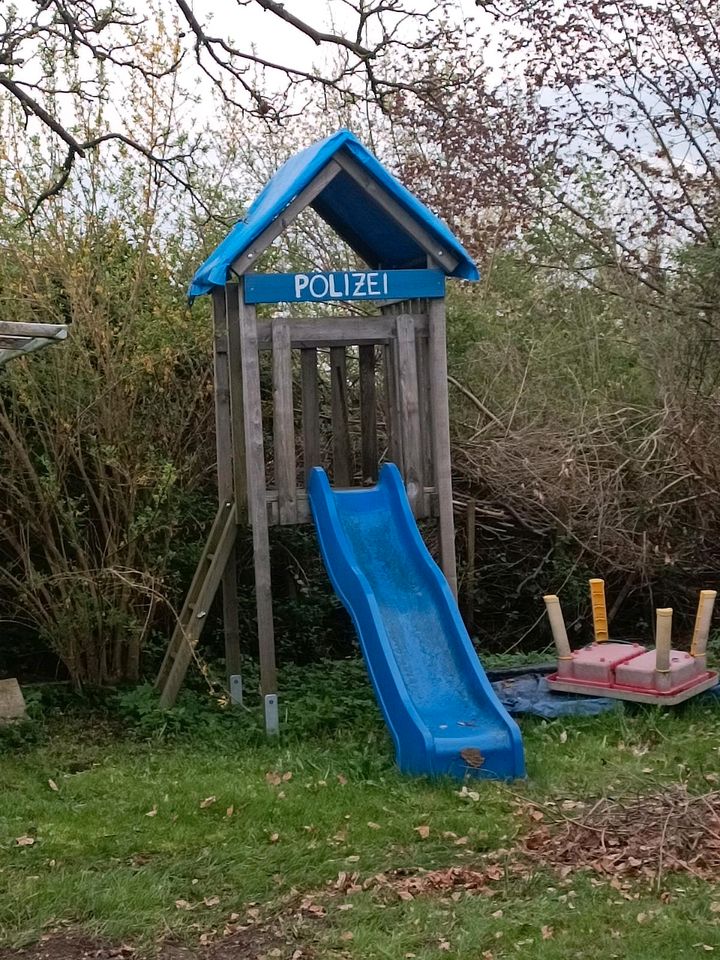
(343, 285)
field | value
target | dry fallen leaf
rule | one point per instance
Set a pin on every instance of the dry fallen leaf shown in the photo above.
(287, 776)
(274, 837)
(207, 802)
(230, 811)
(211, 901)
(341, 780)
(347, 935)
(24, 841)
(184, 905)
(472, 757)
(153, 812)
(274, 779)
(373, 825)
(547, 932)
(443, 945)
(423, 831)
(53, 785)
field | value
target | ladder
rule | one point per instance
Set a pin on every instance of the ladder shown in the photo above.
(193, 615)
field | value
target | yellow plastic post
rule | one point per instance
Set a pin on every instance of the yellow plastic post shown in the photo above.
(599, 610)
(702, 626)
(557, 625)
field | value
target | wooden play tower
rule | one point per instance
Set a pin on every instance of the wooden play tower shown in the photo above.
(400, 350)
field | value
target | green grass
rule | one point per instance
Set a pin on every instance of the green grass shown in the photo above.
(101, 863)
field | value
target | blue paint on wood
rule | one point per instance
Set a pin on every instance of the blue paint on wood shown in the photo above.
(344, 285)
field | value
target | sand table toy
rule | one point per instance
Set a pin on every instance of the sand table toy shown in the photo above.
(630, 671)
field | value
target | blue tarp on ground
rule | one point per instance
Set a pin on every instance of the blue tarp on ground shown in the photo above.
(530, 694)
(347, 207)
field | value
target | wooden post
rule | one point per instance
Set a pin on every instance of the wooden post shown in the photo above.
(368, 415)
(257, 507)
(310, 411)
(470, 566)
(440, 426)
(342, 454)
(225, 317)
(283, 421)
(410, 412)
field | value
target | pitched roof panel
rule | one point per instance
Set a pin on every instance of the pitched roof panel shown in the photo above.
(346, 206)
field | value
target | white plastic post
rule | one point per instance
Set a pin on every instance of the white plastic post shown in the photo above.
(701, 632)
(663, 639)
(557, 625)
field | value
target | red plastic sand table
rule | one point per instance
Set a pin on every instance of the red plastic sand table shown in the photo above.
(627, 671)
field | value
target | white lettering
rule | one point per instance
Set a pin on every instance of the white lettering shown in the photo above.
(360, 279)
(334, 292)
(385, 283)
(373, 284)
(301, 282)
(323, 290)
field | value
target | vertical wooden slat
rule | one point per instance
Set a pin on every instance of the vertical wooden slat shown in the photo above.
(226, 467)
(283, 421)
(390, 392)
(421, 344)
(470, 521)
(368, 414)
(342, 454)
(310, 411)
(410, 411)
(257, 494)
(440, 425)
(392, 405)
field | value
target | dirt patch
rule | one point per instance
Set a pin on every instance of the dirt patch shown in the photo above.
(643, 836)
(256, 942)
(67, 947)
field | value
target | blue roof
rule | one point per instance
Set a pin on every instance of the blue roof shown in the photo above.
(346, 207)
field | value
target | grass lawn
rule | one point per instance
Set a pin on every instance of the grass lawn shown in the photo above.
(276, 848)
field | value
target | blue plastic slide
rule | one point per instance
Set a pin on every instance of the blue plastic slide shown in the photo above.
(442, 712)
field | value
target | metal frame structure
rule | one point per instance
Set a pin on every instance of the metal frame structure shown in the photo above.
(19, 339)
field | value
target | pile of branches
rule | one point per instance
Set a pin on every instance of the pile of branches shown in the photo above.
(628, 494)
(638, 837)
